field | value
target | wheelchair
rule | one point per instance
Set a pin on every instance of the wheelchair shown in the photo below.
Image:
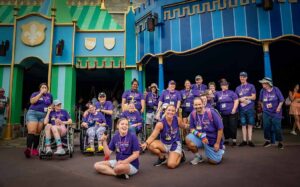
(67, 144)
(84, 141)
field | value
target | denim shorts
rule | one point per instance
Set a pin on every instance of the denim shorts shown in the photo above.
(247, 117)
(210, 153)
(35, 116)
(175, 147)
(132, 170)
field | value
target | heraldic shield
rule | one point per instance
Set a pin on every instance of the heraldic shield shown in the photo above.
(109, 43)
(33, 33)
(90, 43)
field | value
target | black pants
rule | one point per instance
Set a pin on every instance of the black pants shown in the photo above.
(230, 123)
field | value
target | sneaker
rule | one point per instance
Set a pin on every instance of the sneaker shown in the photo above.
(160, 161)
(100, 148)
(267, 144)
(196, 160)
(48, 151)
(35, 152)
(280, 145)
(293, 133)
(251, 144)
(60, 151)
(182, 160)
(123, 176)
(90, 149)
(244, 143)
(27, 153)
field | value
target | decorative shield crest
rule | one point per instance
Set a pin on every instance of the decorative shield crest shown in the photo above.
(109, 43)
(33, 33)
(90, 43)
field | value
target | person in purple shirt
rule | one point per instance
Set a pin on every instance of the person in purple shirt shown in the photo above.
(227, 104)
(134, 118)
(211, 95)
(170, 96)
(199, 87)
(135, 96)
(95, 124)
(168, 129)
(40, 101)
(206, 131)
(127, 150)
(151, 104)
(106, 108)
(55, 122)
(271, 100)
(247, 95)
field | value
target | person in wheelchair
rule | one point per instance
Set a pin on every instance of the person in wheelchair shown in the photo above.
(95, 124)
(56, 120)
(134, 118)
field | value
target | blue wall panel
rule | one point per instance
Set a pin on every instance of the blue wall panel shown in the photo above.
(166, 37)
(240, 21)
(185, 33)
(65, 33)
(6, 34)
(228, 22)
(275, 21)
(206, 27)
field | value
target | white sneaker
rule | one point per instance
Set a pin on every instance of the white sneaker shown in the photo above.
(196, 160)
(60, 151)
(48, 151)
(293, 133)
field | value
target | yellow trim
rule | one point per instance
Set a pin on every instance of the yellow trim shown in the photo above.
(117, 30)
(6, 24)
(50, 57)
(117, 12)
(225, 39)
(266, 46)
(63, 24)
(33, 14)
(73, 43)
(12, 74)
(61, 63)
(131, 67)
(160, 59)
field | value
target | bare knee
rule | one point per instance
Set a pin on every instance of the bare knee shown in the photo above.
(171, 165)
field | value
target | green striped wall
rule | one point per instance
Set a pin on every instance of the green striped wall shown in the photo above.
(5, 78)
(130, 74)
(6, 12)
(16, 98)
(63, 86)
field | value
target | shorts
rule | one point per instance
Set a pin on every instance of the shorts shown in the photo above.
(247, 117)
(175, 147)
(150, 118)
(35, 116)
(132, 170)
(185, 114)
(209, 151)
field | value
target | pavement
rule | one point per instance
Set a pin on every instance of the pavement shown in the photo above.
(242, 166)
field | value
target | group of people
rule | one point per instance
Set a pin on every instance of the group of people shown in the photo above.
(208, 117)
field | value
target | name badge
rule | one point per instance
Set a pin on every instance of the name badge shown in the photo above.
(223, 105)
(184, 97)
(198, 127)
(45, 109)
(188, 104)
(172, 102)
(241, 93)
(167, 97)
(265, 99)
(150, 101)
(269, 105)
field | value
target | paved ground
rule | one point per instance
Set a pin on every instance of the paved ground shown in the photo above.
(241, 167)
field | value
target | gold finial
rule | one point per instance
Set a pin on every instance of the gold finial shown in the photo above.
(103, 5)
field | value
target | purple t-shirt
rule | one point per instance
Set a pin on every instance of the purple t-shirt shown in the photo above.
(170, 97)
(62, 114)
(124, 147)
(93, 119)
(136, 96)
(133, 117)
(271, 101)
(187, 100)
(151, 102)
(245, 91)
(106, 106)
(225, 101)
(43, 103)
(209, 125)
(198, 89)
(170, 134)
